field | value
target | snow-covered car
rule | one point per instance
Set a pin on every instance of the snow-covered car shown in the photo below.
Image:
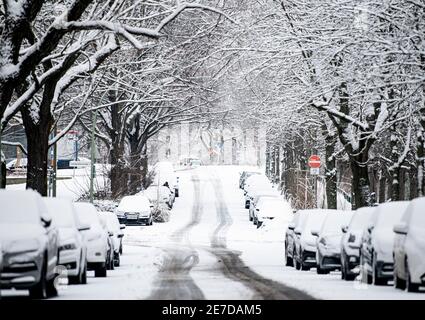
(351, 242)
(376, 253)
(256, 183)
(117, 235)
(96, 238)
(409, 247)
(110, 263)
(244, 175)
(165, 175)
(30, 244)
(297, 221)
(328, 243)
(159, 195)
(72, 247)
(135, 210)
(13, 164)
(268, 208)
(267, 193)
(305, 247)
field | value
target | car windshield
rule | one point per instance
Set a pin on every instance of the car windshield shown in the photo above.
(113, 223)
(61, 212)
(87, 214)
(18, 207)
(390, 214)
(314, 221)
(361, 218)
(335, 221)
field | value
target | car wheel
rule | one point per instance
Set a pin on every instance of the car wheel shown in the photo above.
(297, 265)
(84, 275)
(176, 193)
(117, 261)
(376, 280)
(250, 218)
(39, 291)
(343, 276)
(100, 272)
(319, 270)
(288, 260)
(399, 283)
(246, 205)
(51, 288)
(411, 287)
(120, 248)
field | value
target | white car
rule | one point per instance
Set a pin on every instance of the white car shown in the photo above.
(72, 247)
(256, 183)
(110, 264)
(115, 228)
(376, 255)
(96, 238)
(409, 247)
(30, 244)
(268, 208)
(328, 243)
(159, 195)
(305, 247)
(135, 210)
(270, 194)
(297, 221)
(351, 242)
(165, 175)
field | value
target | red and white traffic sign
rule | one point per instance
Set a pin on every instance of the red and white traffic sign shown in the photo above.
(314, 161)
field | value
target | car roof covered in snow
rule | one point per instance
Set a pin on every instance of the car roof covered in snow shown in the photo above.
(62, 212)
(389, 213)
(87, 213)
(23, 206)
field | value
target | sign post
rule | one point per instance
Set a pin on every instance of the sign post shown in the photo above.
(314, 162)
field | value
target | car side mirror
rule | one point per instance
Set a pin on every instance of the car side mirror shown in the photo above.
(47, 222)
(344, 229)
(121, 235)
(84, 227)
(315, 233)
(122, 226)
(151, 206)
(291, 226)
(110, 233)
(400, 228)
(297, 231)
(257, 209)
(369, 229)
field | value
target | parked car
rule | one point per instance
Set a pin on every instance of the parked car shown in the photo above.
(110, 265)
(268, 193)
(115, 228)
(328, 243)
(351, 242)
(96, 238)
(268, 208)
(13, 164)
(297, 221)
(253, 184)
(134, 210)
(305, 247)
(159, 195)
(409, 247)
(165, 175)
(245, 175)
(30, 244)
(376, 255)
(72, 247)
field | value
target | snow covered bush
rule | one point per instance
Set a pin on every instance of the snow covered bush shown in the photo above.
(161, 213)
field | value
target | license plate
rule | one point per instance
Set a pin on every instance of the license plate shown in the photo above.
(132, 217)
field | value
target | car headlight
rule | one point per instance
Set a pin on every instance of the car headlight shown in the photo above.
(323, 241)
(68, 246)
(25, 245)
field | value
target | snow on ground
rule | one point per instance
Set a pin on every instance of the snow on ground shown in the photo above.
(192, 226)
(74, 182)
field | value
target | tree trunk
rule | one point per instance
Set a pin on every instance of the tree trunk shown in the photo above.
(360, 185)
(3, 174)
(38, 149)
(382, 187)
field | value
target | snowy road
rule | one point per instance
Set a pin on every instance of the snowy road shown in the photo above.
(210, 250)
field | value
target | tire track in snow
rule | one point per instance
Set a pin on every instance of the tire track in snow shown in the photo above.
(173, 280)
(235, 269)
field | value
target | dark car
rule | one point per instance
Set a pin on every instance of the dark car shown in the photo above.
(30, 244)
